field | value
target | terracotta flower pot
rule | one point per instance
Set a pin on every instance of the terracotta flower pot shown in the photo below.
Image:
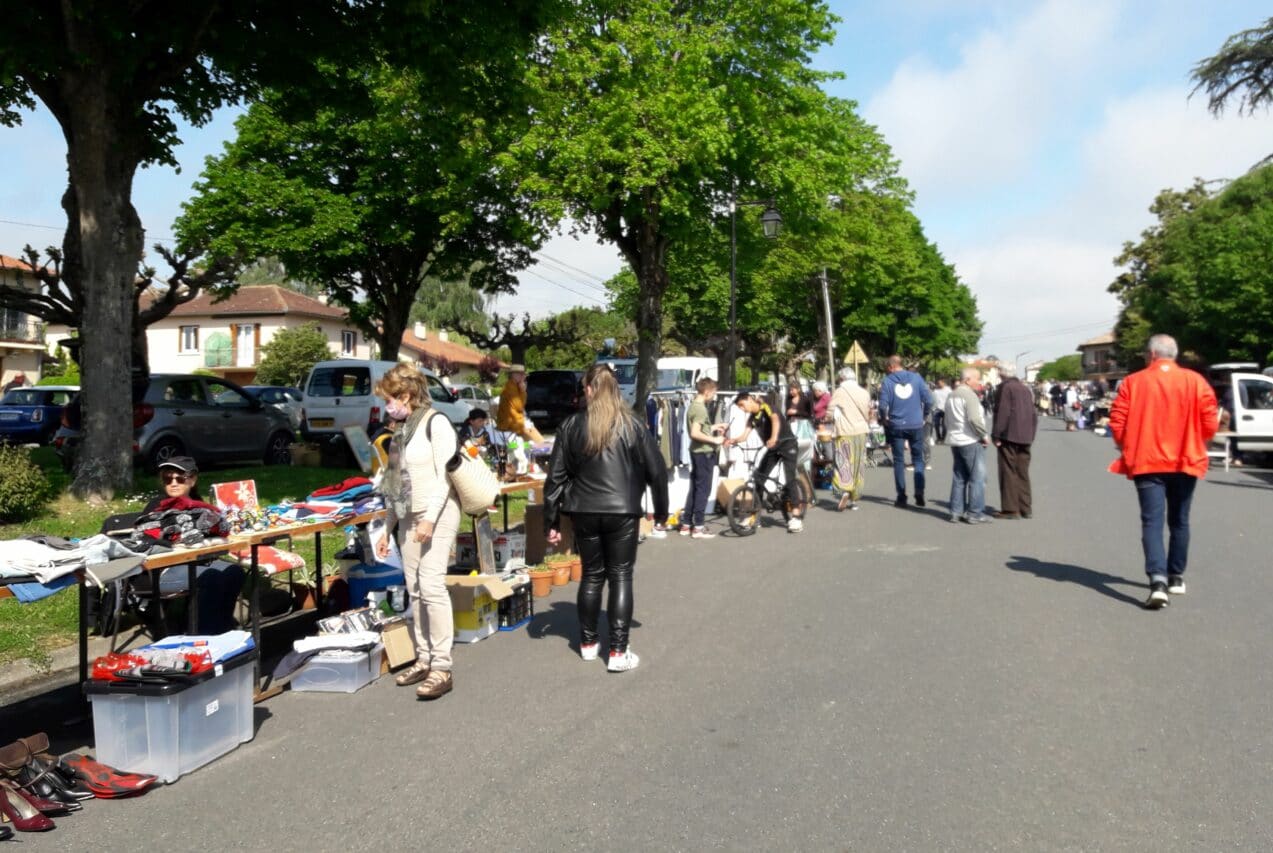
(561, 574)
(541, 584)
(304, 596)
(576, 570)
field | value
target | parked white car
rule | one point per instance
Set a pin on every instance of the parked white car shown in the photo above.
(339, 394)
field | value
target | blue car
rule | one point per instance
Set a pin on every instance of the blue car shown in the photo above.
(32, 415)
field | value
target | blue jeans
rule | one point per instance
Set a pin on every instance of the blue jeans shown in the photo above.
(969, 478)
(1165, 496)
(701, 467)
(898, 439)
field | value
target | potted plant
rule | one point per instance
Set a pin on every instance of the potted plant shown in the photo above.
(303, 587)
(541, 580)
(560, 564)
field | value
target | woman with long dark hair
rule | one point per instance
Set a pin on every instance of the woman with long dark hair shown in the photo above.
(603, 459)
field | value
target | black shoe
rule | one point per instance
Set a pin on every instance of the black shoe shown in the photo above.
(900, 502)
(1176, 584)
(1009, 516)
(919, 500)
(1158, 597)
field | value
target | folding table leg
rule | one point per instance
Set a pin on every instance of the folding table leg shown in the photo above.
(83, 650)
(318, 572)
(192, 618)
(254, 609)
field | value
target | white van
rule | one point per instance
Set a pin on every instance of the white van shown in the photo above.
(625, 373)
(684, 371)
(338, 394)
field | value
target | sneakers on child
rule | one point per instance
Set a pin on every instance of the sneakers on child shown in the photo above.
(622, 661)
(659, 532)
(1176, 584)
(701, 533)
(795, 525)
(685, 530)
(589, 651)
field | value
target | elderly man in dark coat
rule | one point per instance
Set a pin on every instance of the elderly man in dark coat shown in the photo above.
(1015, 424)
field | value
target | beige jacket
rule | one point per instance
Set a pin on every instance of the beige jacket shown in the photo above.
(425, 463)
(850, 405)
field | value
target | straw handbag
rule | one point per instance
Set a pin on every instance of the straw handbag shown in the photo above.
(474, 484)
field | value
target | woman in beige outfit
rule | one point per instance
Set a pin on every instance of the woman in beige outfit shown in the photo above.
(425, 515)
(850, 407)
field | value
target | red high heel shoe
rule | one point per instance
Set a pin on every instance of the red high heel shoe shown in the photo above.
(43, 805)
(24, 816)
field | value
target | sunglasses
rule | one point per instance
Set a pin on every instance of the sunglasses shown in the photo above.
(175, 477)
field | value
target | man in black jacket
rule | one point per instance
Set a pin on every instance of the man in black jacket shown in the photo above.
(1015, 424)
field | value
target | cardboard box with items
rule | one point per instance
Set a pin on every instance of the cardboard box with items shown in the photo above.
(474, 605)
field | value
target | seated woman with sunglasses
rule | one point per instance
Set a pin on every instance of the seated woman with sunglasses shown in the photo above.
(220, 582)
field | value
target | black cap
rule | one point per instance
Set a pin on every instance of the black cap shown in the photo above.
(184, 464)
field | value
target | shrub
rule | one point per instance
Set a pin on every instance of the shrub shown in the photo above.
(24, 489)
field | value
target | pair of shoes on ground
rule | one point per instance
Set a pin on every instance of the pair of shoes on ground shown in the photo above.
(696, 532)
(795, 525)
(980, 518)
(434, 683)
(1160, 593)
(901, 501)
(659, 532)
(617, 661)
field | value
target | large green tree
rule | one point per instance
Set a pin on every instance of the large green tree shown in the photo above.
(291, 353)
(374, 194)
(652, 114)
(583, 334)
(1203, 274)
(116, 74)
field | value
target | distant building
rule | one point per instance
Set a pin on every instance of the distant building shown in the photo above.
(420, 344)
(1100, 359)
(21, 335)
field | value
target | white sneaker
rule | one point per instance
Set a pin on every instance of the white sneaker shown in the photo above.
(1176, 584)
(588, 651)
(701, 533)
(659, 532)
(795, 525)
(685, 530)
(623, 662)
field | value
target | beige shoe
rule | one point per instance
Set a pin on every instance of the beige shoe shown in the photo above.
(418, 671)
(437, 685)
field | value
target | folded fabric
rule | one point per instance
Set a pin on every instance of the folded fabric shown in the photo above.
(354, 641)
(339, 488)
(19, 557)
(29, 592)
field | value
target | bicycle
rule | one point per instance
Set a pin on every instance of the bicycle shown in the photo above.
(746, 503)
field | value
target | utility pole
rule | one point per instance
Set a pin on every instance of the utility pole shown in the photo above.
(826, 307)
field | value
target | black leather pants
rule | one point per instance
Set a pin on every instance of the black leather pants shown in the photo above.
(607, 544)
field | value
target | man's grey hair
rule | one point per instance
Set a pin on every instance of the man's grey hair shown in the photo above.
(848, 374)
(1007, 368)
(1163, 346)
(968, 374)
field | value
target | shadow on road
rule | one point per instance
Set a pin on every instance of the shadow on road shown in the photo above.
(562, 621)
(1265, 478)
(1066, 573)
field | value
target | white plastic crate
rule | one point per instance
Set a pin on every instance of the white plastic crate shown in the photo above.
(170, 730)
(331, 673)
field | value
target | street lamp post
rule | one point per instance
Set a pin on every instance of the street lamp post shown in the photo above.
(1017, 361)
(771, 224)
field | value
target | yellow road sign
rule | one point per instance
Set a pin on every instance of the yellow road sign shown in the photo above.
(856, 355)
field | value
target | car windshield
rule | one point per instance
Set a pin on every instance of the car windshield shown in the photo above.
(625, 374)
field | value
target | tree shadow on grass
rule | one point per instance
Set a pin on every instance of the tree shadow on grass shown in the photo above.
(1066, 573)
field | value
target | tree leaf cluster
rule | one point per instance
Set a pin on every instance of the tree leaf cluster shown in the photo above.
(290, 354)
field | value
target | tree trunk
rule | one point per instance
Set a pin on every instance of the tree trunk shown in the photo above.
(140, 346)
(108, 244)
(517, 351)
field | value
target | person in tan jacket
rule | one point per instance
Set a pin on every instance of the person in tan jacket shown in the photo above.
(850, 408)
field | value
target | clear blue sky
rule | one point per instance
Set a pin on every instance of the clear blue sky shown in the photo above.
(1034, 134)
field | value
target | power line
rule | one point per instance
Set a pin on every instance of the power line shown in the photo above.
(580, 270)
(564, 287)
(565, 270)
(63, 228)
(1049, 334)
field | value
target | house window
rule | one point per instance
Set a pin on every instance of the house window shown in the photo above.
(348, 340)
(189, 339)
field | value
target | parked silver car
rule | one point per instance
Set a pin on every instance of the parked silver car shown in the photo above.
(281, 396)
(188, 415)
(471, 397)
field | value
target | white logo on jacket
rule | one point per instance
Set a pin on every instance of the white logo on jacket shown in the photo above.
(903, 391)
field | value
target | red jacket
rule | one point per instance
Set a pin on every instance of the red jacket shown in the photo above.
(1162, 420)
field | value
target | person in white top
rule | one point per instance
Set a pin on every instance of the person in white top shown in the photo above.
(967, 437)
(1071, 408)
(940, 395)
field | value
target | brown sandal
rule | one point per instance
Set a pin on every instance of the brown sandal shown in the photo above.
(416, 672)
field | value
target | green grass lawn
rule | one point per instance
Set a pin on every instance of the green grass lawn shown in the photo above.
(31, 631)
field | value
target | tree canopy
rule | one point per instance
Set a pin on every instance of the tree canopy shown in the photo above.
(1242, 68)
(289, 355)
(1203, 273)
(1067, 368)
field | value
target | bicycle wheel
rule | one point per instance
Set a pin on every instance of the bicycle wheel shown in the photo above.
(744, 510)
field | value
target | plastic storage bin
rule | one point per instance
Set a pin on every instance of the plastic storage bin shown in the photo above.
(169, 730)
(516, 610)
(330, 673)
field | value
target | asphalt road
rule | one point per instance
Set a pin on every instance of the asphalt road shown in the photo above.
(884, 681)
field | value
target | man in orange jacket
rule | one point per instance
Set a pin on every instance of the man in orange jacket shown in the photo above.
(1162, 420)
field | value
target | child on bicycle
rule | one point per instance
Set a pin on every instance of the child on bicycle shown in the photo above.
(781, 446)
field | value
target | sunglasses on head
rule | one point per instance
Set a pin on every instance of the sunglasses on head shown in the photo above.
(175, 477)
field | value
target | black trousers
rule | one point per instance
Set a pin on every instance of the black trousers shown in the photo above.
(785, 452)
(607, 545)
(1015, 494)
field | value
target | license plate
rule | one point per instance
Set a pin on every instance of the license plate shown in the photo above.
(9, 416)
(538, 413)
(322, 422)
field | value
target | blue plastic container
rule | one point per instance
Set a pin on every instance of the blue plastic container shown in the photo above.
(377, 577)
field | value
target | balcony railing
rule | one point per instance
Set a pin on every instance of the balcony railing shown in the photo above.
(29, 332)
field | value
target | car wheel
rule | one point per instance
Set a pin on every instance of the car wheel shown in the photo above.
(164, 449)
(279, 449)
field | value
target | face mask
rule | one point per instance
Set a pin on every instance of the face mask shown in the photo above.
(397, 410)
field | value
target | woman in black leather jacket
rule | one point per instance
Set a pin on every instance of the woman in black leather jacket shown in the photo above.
(603, 459)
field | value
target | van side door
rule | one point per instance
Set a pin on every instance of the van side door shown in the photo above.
(1253, 410)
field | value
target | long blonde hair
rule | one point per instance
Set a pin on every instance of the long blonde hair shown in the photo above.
(608, 417)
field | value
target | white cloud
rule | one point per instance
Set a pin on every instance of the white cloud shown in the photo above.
(571, 272)
(981, 123)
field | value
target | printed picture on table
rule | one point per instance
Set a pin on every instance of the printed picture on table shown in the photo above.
(240, 494)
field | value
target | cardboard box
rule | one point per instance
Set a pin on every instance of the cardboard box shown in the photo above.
(537, 544)
(474, 605)
(398, 643)
(306, 455)
(723, 490)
